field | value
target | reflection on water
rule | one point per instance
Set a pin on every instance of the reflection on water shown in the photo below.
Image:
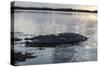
(36, 23)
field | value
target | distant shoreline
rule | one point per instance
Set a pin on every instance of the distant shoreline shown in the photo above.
(52, 9)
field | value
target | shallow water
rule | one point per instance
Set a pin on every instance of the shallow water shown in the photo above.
(40, 23)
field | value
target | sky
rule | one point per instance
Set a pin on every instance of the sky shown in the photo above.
(37, 4)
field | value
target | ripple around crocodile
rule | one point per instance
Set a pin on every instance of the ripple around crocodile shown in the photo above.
(18, 56)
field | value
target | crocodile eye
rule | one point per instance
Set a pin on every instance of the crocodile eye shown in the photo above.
(84, 38)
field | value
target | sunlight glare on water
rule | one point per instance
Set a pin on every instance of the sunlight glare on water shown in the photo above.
(46, 23)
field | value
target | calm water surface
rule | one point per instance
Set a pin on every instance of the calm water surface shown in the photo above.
(35, 23)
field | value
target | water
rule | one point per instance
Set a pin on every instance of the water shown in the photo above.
(32, 23)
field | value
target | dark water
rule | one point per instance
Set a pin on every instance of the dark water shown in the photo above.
(31, 23)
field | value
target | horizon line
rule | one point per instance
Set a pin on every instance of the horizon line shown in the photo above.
(53, 9)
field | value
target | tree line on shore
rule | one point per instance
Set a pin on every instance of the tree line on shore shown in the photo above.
(53, 9)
